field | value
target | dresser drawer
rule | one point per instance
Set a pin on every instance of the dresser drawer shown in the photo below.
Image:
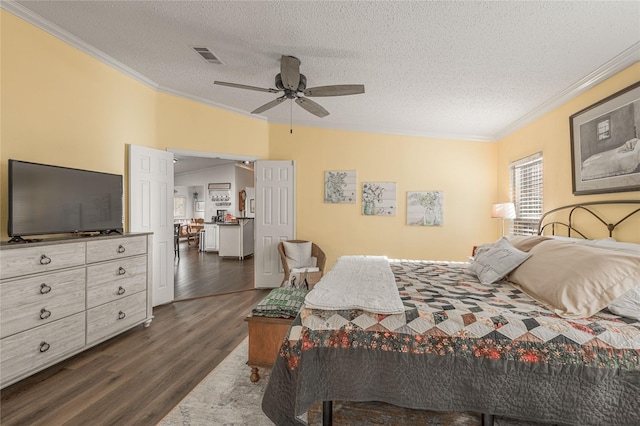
(110, 281)
(30, 350)
(108, 319)
(115, 248)
(35, 301)
(33, 260)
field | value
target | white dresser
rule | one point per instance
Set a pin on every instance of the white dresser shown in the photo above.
(58, 298)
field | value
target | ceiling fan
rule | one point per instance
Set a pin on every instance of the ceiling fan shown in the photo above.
(293, 84)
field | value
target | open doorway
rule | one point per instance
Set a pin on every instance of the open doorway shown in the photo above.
(214, 190)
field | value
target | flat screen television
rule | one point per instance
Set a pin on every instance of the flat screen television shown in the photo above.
(46, 199)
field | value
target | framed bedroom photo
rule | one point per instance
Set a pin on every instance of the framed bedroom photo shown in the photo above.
(605, 149)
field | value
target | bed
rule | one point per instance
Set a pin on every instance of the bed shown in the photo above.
(622, 160)
(463, 345)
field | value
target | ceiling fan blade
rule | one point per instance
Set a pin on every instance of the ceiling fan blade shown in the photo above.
(336, 90)
(290, 72)
(313, 107)
(268, 105)
(244, 86)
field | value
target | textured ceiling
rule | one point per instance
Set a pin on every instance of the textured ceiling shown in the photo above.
(464, 70)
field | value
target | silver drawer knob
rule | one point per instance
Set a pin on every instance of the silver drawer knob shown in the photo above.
(121, 248)
(120, 291)
(44, 346)
(44, 289)
(121, 271)
(121, 315)
(44, 260)
(44, 314)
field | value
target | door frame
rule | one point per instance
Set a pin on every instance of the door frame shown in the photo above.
(215, 155)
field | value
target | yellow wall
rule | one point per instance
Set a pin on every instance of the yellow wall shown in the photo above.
(186, 124)
(61, 106)
(465, 171)
(550, 134)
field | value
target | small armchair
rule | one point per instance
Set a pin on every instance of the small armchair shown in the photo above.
(315, 252)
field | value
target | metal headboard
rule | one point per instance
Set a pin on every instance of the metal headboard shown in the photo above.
(582, 206)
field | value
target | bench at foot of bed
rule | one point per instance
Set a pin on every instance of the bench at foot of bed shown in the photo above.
(265, 337)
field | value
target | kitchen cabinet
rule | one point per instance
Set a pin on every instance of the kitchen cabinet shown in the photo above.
(211, 237)
(236, 239)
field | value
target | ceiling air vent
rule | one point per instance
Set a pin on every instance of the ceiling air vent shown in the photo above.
(207, 55)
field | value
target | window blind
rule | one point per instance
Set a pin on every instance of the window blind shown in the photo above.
(526, 194)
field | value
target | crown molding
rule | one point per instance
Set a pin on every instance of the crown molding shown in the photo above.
(38, 21)
(625, 59)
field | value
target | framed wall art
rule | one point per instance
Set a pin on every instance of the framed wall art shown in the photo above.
(180, 207)
(379, 199)
(605, 150)
(425, 208)
(340, 187)
(199, 206)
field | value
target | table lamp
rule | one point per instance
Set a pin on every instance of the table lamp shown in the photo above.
(503, 211)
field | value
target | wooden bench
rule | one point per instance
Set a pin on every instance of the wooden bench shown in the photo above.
(265, 337)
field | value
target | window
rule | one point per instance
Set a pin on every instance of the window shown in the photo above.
(604, 129)
(526, 194)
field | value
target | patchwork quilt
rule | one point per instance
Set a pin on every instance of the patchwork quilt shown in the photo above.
(460, 345)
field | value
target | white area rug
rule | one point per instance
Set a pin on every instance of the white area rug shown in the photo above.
(225, 397)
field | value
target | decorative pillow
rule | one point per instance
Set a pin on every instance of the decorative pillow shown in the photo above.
(281, 302)
(481, 248)
(576, 281)
(495, 262)
(627, 305)
(298, 254)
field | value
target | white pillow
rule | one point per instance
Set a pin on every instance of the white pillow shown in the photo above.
(298, 254)
(627, 305)
(611, 244)
(495, 262)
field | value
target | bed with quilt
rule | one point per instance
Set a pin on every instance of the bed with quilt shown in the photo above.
(535, 328)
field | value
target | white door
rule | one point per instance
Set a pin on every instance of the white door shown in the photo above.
(275, 218)
(151, 210)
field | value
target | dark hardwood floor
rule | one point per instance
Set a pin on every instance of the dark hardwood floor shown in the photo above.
(200, 274)
(137, 377)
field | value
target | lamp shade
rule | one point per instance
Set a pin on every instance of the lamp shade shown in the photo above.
(503, 211)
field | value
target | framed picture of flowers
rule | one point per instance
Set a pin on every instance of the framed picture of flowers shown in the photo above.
(340, 187)
(379, 198)
(425, 208)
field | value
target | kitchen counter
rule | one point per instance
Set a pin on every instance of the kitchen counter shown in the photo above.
(238, 223)
(236, 239)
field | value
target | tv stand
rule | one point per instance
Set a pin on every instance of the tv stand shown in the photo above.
(19, 240)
